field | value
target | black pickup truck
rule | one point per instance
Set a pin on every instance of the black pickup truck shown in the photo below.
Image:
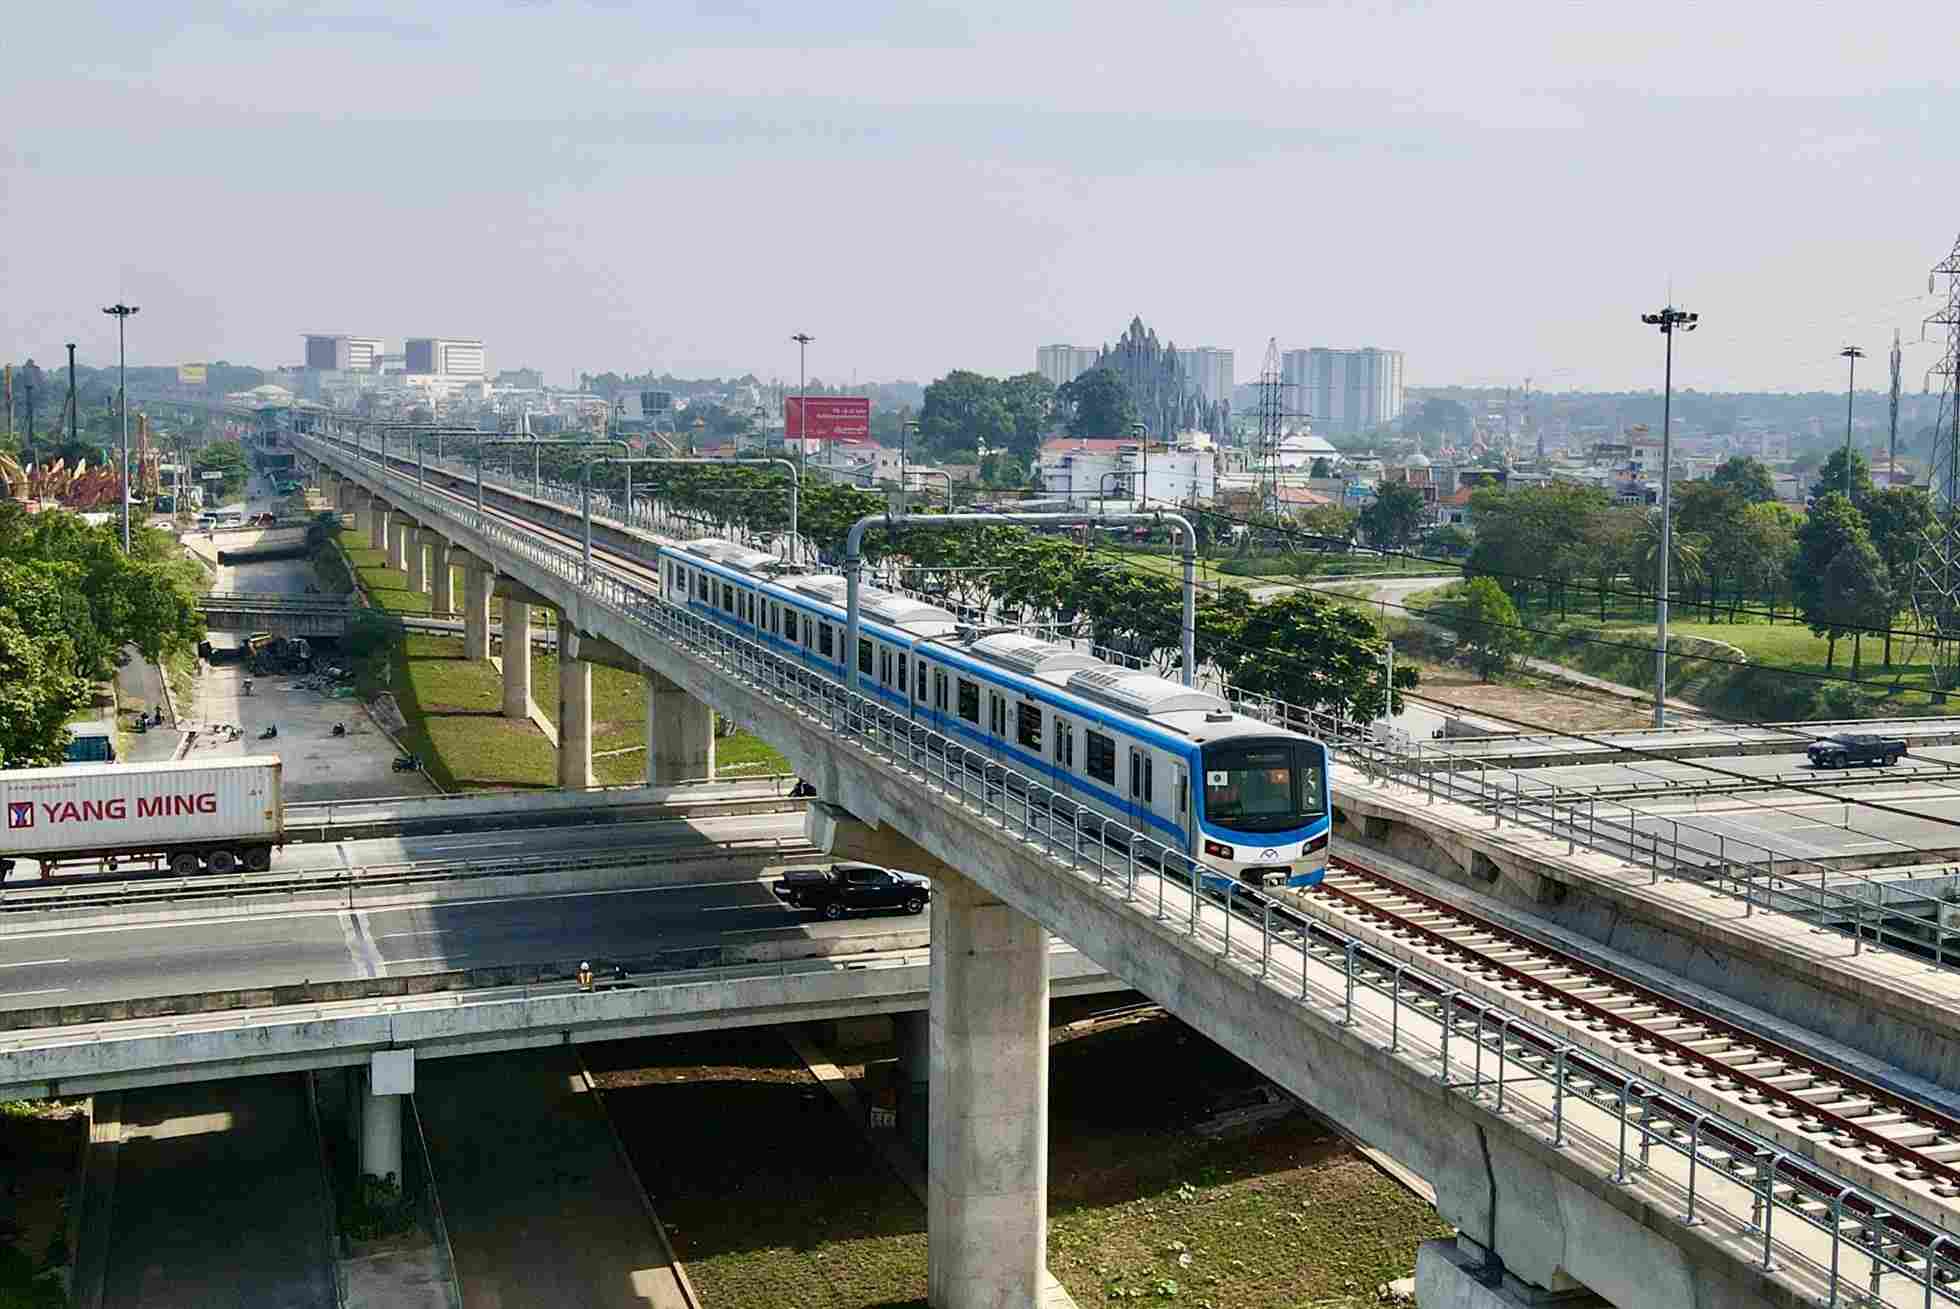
(838, 890)
(1843, 751)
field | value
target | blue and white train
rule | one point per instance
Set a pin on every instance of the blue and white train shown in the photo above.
(1247, 799)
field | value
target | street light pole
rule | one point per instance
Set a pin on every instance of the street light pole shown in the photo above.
(1851, 354)
(906, 426)
(122, 313)
(1669, 320)
(802, 340)
(1142, 434)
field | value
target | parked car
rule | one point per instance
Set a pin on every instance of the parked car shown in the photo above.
(1843, 751)
(842, 888)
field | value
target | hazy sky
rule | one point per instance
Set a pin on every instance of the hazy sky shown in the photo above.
(1498, 189)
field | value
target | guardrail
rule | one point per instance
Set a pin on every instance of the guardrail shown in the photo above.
(1755, 873)
(135, 891)
(1141, 875)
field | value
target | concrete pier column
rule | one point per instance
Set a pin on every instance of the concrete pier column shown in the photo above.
(391, 1075)
(397, 547)
(377, 525)
(478, 582)
(1457, 1274)
(987, 1178)
(442, 573)
(517, 659)
(680, 735)
(418, 554)
(574, 714)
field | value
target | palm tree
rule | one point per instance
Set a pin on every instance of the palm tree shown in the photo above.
(1686, 564)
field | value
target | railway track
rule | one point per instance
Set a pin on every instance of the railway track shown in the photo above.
(1910, 1151)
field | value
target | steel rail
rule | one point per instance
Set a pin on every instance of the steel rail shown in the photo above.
(1531, 985)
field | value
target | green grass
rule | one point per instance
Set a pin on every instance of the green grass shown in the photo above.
(775, 1200)
(746, 754)
(454, 712)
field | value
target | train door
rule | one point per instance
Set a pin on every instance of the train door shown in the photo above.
(1181, 808)
(1142, 788)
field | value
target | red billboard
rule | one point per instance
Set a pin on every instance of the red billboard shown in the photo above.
(832, 418)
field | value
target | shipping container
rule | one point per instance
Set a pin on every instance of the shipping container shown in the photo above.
(220, 814)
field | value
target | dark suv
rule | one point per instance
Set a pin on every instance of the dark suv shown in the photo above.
(1843, 751)
(837, 890)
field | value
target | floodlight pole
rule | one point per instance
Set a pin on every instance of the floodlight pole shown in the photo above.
(1850, 354)
(854, 566)
(1669, 320)
(122, 313)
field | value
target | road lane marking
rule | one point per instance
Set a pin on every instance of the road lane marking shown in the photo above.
(429, 959)
(469, 845)
(433, 931)
(17, 995)
(30, 963)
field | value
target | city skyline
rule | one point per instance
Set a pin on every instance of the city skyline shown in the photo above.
(1496, 216)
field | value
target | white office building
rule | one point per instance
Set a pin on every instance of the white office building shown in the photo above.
(1343, 390)
(1097, 468)
(1209, 370)
(449, 358)
(1062, 364)
(340, 353)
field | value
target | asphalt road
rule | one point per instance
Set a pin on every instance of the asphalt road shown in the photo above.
(711, 903)
(218, 1201)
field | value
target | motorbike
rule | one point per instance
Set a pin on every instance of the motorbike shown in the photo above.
(248, 686)
(142, 723)
(407, 763)
(802, 789)
(340, 729)
(271, 730)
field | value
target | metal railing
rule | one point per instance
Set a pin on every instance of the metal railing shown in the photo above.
(1478, 1048)
(1762, 877)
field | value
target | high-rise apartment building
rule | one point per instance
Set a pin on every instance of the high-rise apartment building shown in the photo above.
(1209, 370)
(1062, 364)
(342, 354)
(447, 357)
(1343, 390)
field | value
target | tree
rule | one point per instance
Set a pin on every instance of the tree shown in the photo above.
(1332, 523)
(1308, 650)
(1898, 518)
(1096, 404)
(1750, 551)
(1395, 517)
(1486, 625)
(39, 693)
(1535, 534)
(1686, 553)
(1746, 476)
(226, 458)
(1832, 526)
(1830, 478)
(962, 411)
(1029, 400)
(1857, 596)
(1321, 468)
(1451, 541)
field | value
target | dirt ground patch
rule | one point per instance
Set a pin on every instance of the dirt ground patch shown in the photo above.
(1542, 704)
(40, 1144)
(773, 1197)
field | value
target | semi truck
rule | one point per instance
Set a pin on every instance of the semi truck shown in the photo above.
(219, 815)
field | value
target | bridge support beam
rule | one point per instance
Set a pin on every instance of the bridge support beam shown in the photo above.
(377, 524)
(442, 572)
(478, 582)
(987, 1177)
(574, 712)
(680, 735)
(1458, 1274)
(517, 659)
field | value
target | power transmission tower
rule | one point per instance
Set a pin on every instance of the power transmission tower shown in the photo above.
(1936, 584)
(1272, 421)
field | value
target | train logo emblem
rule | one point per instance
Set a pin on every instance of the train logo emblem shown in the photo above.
(1269, 855)
(20, 813)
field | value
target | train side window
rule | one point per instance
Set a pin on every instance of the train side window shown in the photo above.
(1100, 756)
(885, 667)
(727, 598)
(1064, 743)
(921, 666)
(1029, 725)
(904, 686)
(1148, 790)
(1183, 794)
(825, 646)
(969, 700)
(1136, 772)
(939, 689)
(864, 656)
(789, 625)
(997, 714)
(701, 585)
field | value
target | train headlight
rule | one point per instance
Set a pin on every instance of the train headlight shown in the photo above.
(1218, 851)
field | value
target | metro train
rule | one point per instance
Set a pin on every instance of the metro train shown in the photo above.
(1246, 799)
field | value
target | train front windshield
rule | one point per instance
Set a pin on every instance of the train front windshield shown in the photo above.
(1264, 786)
